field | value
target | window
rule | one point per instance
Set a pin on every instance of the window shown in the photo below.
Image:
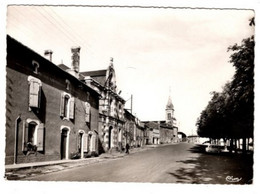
(67, 106)
(33, 136)
(67, 84)
(34, 92)
(169, 116)
(87, 112)
(36, 66)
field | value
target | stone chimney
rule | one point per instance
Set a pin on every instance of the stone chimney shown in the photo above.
(75, 58)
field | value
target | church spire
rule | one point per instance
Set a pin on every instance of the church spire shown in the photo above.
(169, 103)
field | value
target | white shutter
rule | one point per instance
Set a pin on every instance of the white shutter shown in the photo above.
(87, 112)
(62, 105)
(34, 94)
(72, 106)
(85, 143)
(40, 137)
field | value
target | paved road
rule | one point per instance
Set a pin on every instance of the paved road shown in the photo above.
(179, 163)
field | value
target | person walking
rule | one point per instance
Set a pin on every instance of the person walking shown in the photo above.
(127, 148)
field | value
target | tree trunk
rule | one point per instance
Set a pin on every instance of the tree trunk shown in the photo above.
(244, 145)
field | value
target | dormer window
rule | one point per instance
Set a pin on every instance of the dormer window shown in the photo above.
(36, 66)
(67, 84)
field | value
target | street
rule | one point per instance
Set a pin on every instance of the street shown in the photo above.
(178, 163)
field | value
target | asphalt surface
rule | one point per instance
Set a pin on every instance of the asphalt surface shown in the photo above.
(179, 163)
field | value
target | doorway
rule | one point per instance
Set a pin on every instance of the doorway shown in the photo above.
(110, 137)
(63, 146)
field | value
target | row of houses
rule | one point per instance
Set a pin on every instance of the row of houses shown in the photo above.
(54, 112)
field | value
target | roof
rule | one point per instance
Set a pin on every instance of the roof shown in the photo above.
(99, 75)
(169, 103)
(14, 44)
(63, 67)
(95, 73)
(151, 124)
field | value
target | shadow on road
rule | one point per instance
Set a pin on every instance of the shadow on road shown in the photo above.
(206, 168)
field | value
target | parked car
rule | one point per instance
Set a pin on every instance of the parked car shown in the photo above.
(214, 148)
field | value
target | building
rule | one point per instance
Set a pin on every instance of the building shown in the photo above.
(111, 107)
(165, 131)
(50, 113)
(182, 136)
(152, 132)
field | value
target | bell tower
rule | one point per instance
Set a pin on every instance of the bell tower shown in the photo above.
(169, 111)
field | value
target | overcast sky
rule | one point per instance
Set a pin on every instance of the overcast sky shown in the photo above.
(157, 52)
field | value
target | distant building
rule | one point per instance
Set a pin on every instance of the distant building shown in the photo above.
(111, 108)
(182, 136)
(152, 132)
(167, 129)
(50, 113)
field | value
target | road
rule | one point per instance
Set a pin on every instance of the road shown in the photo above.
(179, 163)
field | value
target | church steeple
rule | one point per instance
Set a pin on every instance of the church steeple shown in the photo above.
(169, 111)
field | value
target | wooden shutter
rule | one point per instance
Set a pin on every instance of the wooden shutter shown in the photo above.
(85, 143)
(72, 107)
(87, 113)
(25, 136)
(34, 94)
(93, 142)
(62, 105)
(40, 137)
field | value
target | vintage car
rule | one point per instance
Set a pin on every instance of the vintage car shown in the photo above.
(214, 148)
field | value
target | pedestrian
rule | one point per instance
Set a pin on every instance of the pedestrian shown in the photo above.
(127, 148)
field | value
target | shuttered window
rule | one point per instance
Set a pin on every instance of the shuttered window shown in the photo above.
(40, 137)
(72, 108)
(33, 136)
(34, 92)
(87, 112)
(85, 143)
(67, 106)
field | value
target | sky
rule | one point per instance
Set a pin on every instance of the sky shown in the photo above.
(157, 52)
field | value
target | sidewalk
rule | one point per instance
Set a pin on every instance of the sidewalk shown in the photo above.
(21, 171)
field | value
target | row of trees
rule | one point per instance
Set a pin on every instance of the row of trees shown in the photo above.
(230, 113)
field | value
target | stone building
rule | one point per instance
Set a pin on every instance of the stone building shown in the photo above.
(152, 132)
(164, 131)
(50, 113)
(111, 107)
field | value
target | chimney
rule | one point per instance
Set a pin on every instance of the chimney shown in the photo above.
(75, 58)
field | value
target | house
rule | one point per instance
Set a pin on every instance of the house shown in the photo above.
(50, 113)
(111, 107)
(164, 131)
(153, 132)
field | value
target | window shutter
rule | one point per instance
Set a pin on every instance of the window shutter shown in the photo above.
(87, 114)
(25, 136)
(40, 137)
(62, 105)
(39, 96)
(93, 142)
(72, 106)
(34, 94)
(85, 143)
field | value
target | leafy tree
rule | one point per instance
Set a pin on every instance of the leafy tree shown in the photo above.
(230, 114)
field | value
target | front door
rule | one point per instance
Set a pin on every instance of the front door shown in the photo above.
(63, 146)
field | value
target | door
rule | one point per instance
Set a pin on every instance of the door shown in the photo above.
(63, 146)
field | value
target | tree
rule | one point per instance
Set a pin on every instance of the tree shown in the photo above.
(230, 114)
